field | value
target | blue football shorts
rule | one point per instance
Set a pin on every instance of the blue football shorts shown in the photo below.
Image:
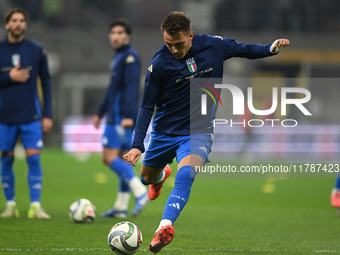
(163, 148)
(116, 137)
(30, 135)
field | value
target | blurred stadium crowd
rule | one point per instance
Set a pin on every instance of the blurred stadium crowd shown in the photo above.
(303, 16)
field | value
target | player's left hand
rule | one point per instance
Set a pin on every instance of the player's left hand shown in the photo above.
(132, 156)
(46, 124)
(278, 45)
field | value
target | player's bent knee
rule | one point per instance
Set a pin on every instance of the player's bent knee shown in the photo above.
(143, 180)
(108, 160)
(109, 155)
(150, 174)
(32, 152)
(146, 179)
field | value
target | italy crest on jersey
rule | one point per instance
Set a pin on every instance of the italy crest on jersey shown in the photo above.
(191, 65)
(15, 59)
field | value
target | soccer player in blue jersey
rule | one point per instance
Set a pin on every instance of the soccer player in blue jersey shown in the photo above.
(120, 105)
(22, 62)
(167, 86)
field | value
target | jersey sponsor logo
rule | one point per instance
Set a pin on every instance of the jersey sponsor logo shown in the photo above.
(150, 69)
(9, 68)
(16, 60)
(130, 59)
(191, 65)
(194, 75)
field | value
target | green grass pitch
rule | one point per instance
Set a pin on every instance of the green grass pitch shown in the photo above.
(223, 216)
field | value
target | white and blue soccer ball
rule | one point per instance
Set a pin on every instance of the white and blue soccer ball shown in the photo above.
(125, 238)
(82, 211)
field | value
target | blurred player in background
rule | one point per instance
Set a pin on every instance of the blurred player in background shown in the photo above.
(335, 195)
(21, 62)
(120, 105)
(167, 86)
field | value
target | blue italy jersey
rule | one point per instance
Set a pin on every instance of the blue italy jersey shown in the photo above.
(167, 83)
(19, 102)
(121, 98)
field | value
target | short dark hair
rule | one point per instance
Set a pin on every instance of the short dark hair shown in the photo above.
(9, 14)
(124, 23)
(176, 22)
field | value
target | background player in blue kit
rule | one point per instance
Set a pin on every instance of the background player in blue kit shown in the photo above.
(21, 62)
(120, 105)
(167, 86)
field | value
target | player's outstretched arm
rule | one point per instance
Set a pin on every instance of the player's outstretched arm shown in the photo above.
(278, 45)
(132, 156)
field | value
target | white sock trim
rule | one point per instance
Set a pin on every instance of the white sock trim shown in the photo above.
(122, 201)
(137, 188)
(335, 190)
(161, 178)
(164, 223)
(35, 203)
(11, 202)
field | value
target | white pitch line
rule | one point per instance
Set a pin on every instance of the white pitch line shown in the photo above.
(326, 251)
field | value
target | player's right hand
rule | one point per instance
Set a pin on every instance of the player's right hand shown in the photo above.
(132, 156)
(96, 121)
(19, 75)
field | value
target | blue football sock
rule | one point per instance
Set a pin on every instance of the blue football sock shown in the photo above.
(34, 177)
(123, 169)
(337, 182)
(123, 186)
(7, 177)
(180, 194)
